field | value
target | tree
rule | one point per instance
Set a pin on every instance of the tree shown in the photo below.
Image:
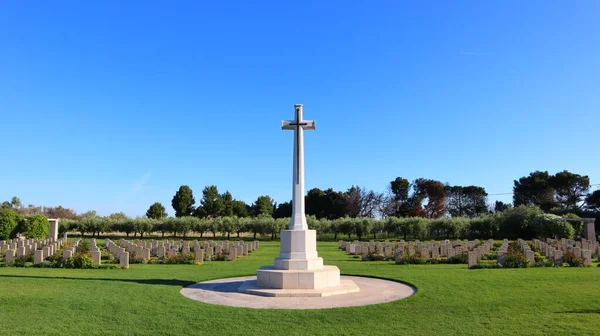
(143, 225)
(183, 201)
(15, 202)
(500, 206)
(534, 190)
(399, 203)
(314, 203)
(435, 193)
(240, 208)
(362, 202)
(118, 216)
(211, 204)
(263, 206)
(335, 204)
(227, 201)
(60, 212)
(156, 211)
(593, 200)
(468, 201)
(283, 210)
(571, 189)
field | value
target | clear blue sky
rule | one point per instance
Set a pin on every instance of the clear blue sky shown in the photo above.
(113, 105)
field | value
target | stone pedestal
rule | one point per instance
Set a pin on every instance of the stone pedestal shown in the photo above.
(590, 230)
(53, 234)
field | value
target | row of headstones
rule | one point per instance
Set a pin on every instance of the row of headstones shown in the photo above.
(554, 249)
(167, 248)
(41, 249)
(503, 251)
(119, 252)
(475, 255)
(429, 249)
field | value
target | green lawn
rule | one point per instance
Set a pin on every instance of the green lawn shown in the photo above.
(451, 300)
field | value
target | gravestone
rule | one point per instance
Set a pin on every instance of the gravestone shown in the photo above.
(97, 257)
(124, 260)
(587, 257)
(530, 257)
(38, 257)
(68, 253)
(199, 256)
(472, 259)
(21, 251)
(9, 257)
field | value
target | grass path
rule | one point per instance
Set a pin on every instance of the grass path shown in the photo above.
(451, 300)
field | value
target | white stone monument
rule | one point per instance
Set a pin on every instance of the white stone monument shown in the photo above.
(53, 229)
(298, 271)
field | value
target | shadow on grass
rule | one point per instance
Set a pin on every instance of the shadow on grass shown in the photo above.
(221, 287)
(163, 282)
(580, 311)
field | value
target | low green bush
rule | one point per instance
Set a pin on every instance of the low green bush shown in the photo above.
(413, 260)
(80, 260)
(24, 261)
(180, 259)
(219, 257)
(544, 263)
(515, 258)
(461, 258)
(375, 257)
(573, 261)
(486, 265)
(490, 256)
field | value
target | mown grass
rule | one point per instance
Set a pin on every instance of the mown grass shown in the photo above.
(451, 300)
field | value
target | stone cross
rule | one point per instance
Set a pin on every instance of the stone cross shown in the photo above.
(298, 125)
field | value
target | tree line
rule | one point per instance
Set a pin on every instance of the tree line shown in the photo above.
(558, 194)
(563, 192)
(520, 222)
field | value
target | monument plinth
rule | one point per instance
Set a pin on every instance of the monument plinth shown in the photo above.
(298, 271)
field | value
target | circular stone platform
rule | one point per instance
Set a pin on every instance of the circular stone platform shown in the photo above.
(225, 292)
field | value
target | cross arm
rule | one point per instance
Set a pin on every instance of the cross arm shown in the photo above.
(287, 125)
(309, 125)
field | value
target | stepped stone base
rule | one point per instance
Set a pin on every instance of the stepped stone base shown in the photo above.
(345, 287)
(321, 282)
(270, 277)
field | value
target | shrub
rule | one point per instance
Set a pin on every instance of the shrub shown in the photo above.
(490, 256)
(549, 225)
(572, 260)
(180, 259)
(544, 263)
(24, 261)
(515, 258)
(461, 258)
(56, 257)
(79, 261)
(517, 222)
(486, 265)
(36, 226)
(83, 247)
(414, 260)
(375, 257)
(219, 257)
(9, 222)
